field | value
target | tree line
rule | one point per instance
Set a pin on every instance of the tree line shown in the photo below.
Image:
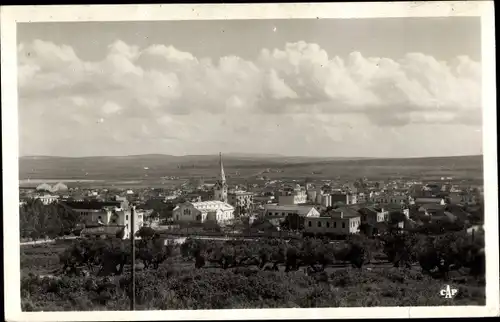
(37, 220)
(436, 255)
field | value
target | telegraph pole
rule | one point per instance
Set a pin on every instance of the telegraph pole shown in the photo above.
(132, 247)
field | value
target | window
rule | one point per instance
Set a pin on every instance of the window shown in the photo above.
(309, 223)
(327, 224)
(343, 225)
(319, 223)
(126, 217)
(334, 224)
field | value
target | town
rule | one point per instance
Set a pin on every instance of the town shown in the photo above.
(274, 207)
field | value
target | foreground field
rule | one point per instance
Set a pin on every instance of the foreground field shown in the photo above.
(177, 284)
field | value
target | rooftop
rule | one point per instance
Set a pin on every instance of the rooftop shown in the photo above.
(240, 193)
(212, 204)
(428, 200)
(345, 212)
(288, 207)
(433, 206)
(96, 205)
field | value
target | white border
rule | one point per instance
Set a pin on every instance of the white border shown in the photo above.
(13, 14)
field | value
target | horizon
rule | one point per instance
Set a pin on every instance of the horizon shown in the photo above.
(312, 87)
(247, 154)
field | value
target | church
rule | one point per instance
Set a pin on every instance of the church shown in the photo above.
(214, 210)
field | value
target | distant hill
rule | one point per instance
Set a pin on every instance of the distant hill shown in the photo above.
(133, 167)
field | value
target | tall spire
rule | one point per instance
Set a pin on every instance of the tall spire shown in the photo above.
(222, 175)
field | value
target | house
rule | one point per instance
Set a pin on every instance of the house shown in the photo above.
(373, 215)
(344, 198)
(103, 232)
(423, 201)
(109, 213)
(362, 197)
(264, 199)
(204, 211)
(444, 217)
(282, 211)
(240, 199)
(398, 208)
(295, 197)
(47, 199)
(389, 198)
(340, 221)
(432, 209)
(458, 212)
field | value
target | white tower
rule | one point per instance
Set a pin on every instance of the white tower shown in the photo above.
(220, 189)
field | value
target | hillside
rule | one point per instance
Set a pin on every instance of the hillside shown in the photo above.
(155, 166)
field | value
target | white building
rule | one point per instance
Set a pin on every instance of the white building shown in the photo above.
(240, 199)
(280, 211)
(47, 199)
(200, 212)
(342, 221)
(296, 198)
(108, 214)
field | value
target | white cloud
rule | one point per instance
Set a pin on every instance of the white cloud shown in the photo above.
(111, 108)
(300, 90)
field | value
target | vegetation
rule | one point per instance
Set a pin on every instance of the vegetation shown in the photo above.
(311, 272)
(39, 221)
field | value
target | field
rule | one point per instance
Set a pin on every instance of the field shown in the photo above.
(147, 170)
(177, 284)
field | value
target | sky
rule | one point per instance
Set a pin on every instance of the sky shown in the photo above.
(304, 87)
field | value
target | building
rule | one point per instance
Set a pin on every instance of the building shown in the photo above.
(311, 195)
(388, 198)
(325, 200)
(373, 215)
(339, 221)
(432, 209)
(220, 187)
(296, 198)
(423, 201)
(47, 199)
(282, 211)
(264, 199)
(110, 213)
(200, 212)
(240, 199)
(344, 198)
(362, 197)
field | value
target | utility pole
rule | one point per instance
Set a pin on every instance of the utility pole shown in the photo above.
(132, 246)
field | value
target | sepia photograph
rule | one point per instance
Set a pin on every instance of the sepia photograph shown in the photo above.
(234, 157)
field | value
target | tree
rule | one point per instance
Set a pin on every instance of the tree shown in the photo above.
(293, 222)
(146, 233)
(37, 219)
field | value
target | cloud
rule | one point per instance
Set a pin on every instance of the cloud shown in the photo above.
(162, 92)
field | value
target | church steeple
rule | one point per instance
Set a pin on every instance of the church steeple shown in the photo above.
(222, 174)
(220, 188)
